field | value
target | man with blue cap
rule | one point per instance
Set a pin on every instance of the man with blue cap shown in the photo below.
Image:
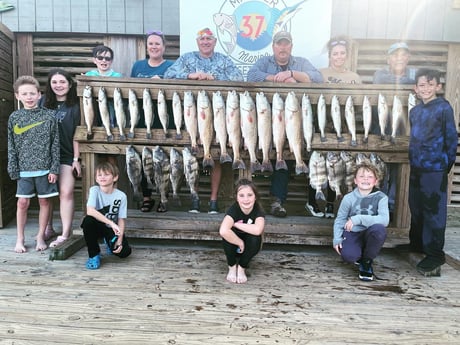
(397, 71)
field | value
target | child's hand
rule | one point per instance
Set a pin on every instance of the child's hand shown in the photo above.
(116, 229)
(338, 248)
(348, 225)
(240, 247)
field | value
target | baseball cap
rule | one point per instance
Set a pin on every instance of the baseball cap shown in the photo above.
(282, 35)
(206, 32)
(396, 46)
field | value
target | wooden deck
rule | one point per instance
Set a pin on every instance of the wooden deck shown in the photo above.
(177, 294)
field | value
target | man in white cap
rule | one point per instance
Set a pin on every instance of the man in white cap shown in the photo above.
(397, 71)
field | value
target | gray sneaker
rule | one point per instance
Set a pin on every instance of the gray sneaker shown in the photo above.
(213, 209)
(195, 207)
(278, 210)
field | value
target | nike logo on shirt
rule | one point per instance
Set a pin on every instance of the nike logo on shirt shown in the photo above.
(20, 130)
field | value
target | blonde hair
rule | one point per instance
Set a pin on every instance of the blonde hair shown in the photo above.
(25, 80)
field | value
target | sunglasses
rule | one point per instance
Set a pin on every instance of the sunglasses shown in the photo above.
(334, 43)
(154, 32)
(106, 58)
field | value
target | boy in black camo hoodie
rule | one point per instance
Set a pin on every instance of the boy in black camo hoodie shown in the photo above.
(33, 157)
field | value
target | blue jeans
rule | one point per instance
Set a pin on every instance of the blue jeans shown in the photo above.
(364, 244)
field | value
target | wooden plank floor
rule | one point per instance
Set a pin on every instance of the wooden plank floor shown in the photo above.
(176, 293)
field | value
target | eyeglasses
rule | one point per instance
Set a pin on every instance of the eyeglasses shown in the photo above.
(154, 32)
(106, 58)
(334, 43)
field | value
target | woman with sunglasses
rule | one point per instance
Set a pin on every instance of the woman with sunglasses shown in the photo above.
(337, 72)
(103, 58)
(155, 65)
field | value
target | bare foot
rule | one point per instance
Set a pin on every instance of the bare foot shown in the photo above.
(41, 245)
(231, 276)
(241, 276)
(20, 247)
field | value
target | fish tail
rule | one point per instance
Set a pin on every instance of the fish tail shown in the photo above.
(267, 166)
(225, 158)
(255, 166)
(208, 163)
(281, 165)
(238, 164)
(301, 169)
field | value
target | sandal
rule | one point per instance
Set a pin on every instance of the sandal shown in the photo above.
(162, 207)
(49, 233)
(147, 205)
(58, 241)
(93, 263)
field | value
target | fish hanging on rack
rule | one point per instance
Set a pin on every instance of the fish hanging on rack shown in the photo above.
(335, 167)
(249, 128)
(134, 170)
(317, 174)
(293, 122)
(307, 121)
(232, 114)
(337, 117)
(279, 130)
(163, 112)
(88, 111)
(205, 127)
(190, 119)
(133, 112)
(176, 173)
(367, 118)
(220, 126)
(104, 112)
(147, 166)
(398, 123)
(161, 171)
(177, 114)
(119, 112)
(351, 120)
(264, 130)
(383, 115)
(321, 110)
(191, 172)
(147, 105)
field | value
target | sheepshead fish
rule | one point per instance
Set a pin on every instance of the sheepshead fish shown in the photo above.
(335, 167)
(161, 170)
(381, 167)
(134, 170)
(293, 121)
(362, 158)
(307, 121)
(232, 114)
(104, 112)
(177, 114)
(190, 119)
(163, 112)
(367, 118)
(264, 130)
(249, 128)
(220, 126)
(191, 173)
(398, 122)
(318, 174)
(350, 167)
(147, 105)
(176, 174)
(336, 117)
(147, 166)
(321, 110)
(205, 127)
(279, 130)
(350, 119)
(133, 112)
(88, 110)
(119, 112)
(382, 114)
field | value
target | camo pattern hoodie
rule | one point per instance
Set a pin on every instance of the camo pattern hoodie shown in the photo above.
(33, 142)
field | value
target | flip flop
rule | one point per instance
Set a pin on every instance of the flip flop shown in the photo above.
(93, 263)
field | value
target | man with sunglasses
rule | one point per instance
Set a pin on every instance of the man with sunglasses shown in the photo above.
(102, 58)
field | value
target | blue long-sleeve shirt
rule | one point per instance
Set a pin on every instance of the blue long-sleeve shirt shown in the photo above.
(267, 65)
(219, 65)
(433, 136)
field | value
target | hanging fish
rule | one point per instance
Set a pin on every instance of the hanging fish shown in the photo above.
(147, 166)
(205, 127)
(293, 122)
(220, 126)
(335, 167)
(191, 172)
(307, 121)
(367, 118)
(264, 130)
(133, 112)
(134, 170)
(147, 105)
(279, 130)
(350, 167)
(177, 114)
(88, 110)
(397, 119)
(104, 112)
(249, 128)
(383, 115)
(350, 119)
(190, 119)
(337, 117)
(233, 119)
(176, 174)
(119, 112)
(161, 171)
(318, 174)
(321, 110)
(163, 112)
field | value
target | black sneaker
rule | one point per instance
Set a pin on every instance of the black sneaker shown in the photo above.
(195, 207)
(329, 210)
(314, 210)
(430, 267)
(366, 273)
(278, 210)
(213, 209)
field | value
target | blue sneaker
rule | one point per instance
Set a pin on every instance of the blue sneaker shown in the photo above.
(366, 272)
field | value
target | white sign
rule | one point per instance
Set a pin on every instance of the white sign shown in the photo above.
(244, 29)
